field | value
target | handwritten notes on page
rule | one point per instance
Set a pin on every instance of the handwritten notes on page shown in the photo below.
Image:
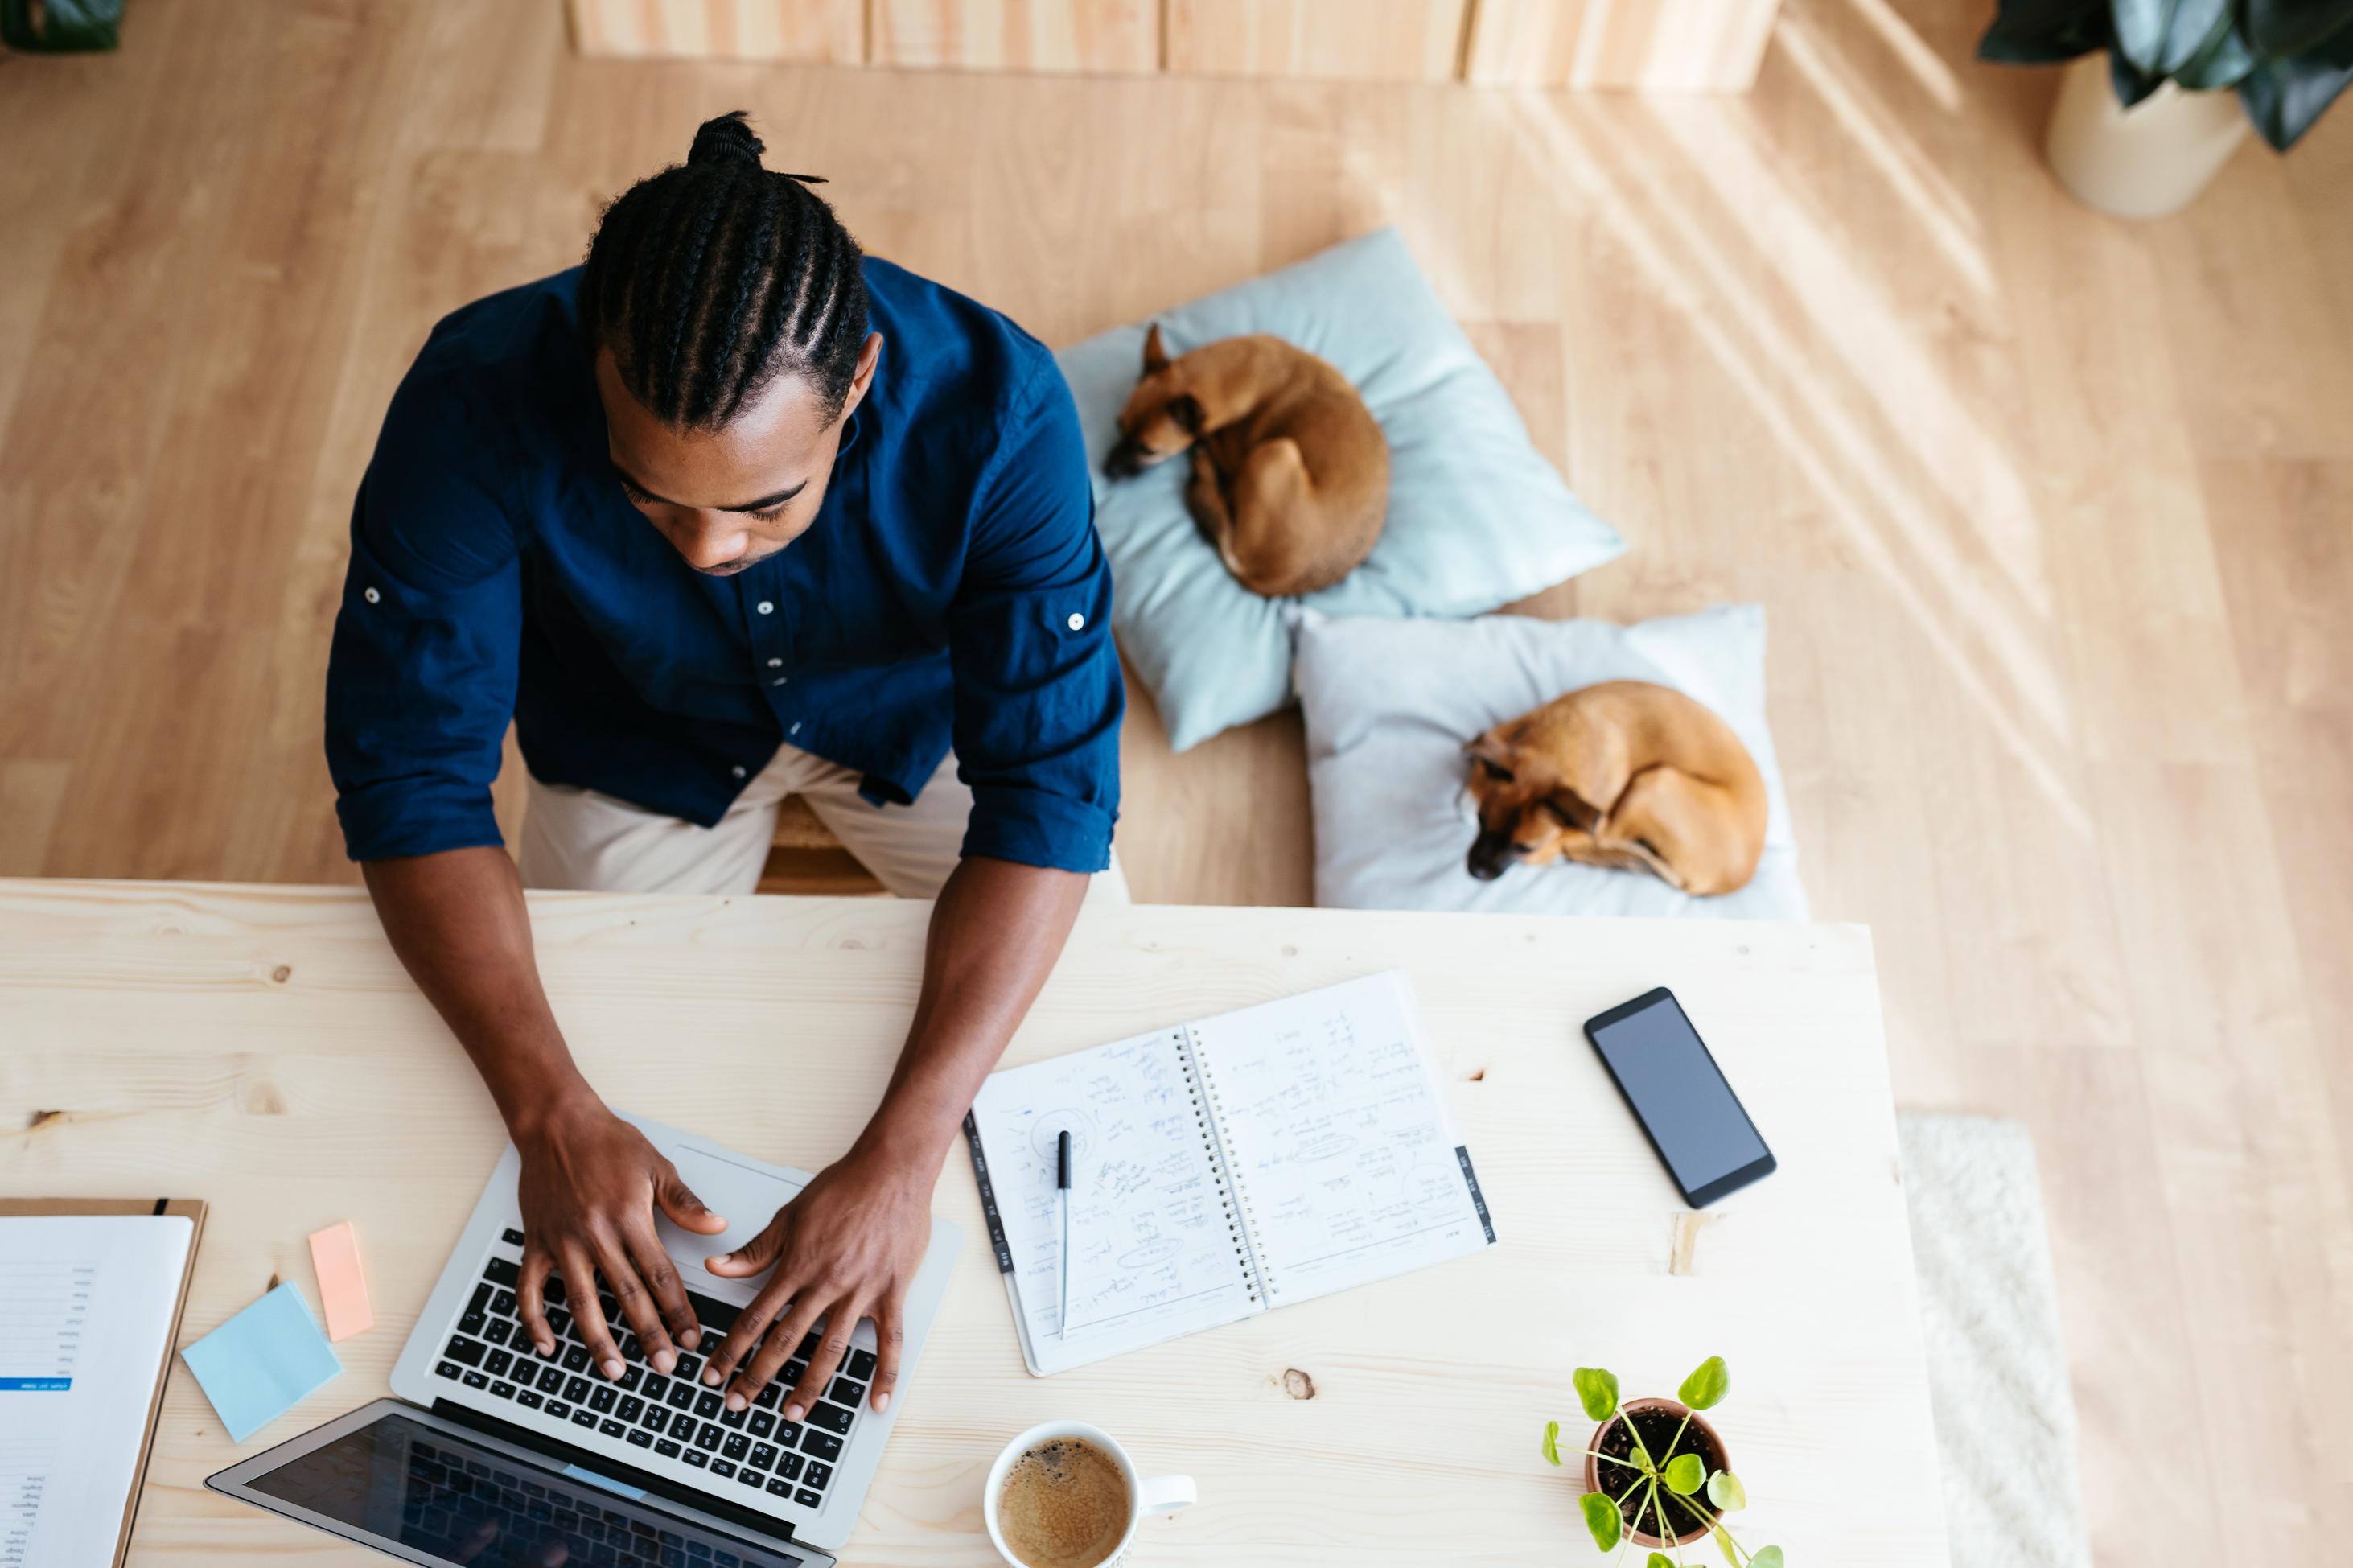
(1153, 1252)
(1251, 1160)
(1342, 1152)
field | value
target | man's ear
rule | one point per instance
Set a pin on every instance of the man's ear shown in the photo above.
(1156, 357)
(861, 380)
(1186, 409)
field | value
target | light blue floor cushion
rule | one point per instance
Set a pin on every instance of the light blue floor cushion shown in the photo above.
(1389, 703)
(1476, 517)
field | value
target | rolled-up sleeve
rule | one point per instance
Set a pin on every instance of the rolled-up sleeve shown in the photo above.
(1039, 695)
(421, 673)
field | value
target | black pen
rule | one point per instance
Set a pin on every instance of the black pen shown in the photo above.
(1062, 1183)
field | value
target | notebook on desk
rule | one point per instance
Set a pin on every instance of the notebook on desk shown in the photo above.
(1223, 1168)
(91, 1294)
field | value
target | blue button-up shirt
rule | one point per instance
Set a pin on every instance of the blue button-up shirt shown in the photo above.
(951, 589)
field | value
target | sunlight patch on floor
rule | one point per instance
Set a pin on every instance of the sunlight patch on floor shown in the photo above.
(1852, 315)
(1915, 181)
(1935, 76)
(1842, 459)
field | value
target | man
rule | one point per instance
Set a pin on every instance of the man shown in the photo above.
(730, 513)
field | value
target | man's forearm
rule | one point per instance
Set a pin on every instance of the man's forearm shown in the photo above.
(996, 933)
(459, 924)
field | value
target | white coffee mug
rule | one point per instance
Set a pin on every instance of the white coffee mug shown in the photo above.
(1157, 1494)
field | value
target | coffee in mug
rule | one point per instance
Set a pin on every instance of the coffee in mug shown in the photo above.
(1066, 1495)
(1064, 1503)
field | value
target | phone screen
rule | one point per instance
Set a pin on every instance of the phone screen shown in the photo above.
(1693, 1119)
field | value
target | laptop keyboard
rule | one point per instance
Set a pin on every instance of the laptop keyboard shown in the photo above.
(645, 1415)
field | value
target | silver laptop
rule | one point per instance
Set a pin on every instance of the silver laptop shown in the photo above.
(493, 1455)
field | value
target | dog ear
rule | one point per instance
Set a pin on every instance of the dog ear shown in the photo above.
(1569, 809)
(1156, 357)
(1491, 749)
(1186, 409)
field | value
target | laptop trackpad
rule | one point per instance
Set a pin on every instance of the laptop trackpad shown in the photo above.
(745, 1195)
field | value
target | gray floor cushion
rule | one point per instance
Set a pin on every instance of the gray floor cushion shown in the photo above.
(1389, 703)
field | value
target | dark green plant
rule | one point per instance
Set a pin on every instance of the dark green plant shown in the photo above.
(56, 26)
(2289, 58)
(1663, 1478)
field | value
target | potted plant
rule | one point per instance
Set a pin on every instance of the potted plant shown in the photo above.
(2139, 133)
(1649, 1463)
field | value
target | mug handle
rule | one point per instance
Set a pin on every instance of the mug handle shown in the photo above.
(1166, 1494)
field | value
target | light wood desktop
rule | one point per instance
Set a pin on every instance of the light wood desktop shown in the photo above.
(260, 1047)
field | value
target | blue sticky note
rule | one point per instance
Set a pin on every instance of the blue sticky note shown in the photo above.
(262, 1363)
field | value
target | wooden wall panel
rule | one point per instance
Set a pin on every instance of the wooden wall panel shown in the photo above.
(1690, 46)
(833, 31)
(1112, 37)
(1411, 41)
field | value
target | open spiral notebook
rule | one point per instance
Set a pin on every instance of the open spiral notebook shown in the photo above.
(1223, 1168)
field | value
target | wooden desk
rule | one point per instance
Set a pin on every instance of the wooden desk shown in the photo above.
(260, 1048)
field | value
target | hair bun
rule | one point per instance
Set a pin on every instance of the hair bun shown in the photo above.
(727, 139)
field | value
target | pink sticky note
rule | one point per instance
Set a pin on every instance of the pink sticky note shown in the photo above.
(342, 1289)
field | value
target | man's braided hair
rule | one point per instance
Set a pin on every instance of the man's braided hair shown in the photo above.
(710, 280)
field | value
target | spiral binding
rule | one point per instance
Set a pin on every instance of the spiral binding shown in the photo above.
(1241, 1221)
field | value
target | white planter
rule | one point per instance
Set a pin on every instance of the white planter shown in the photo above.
(2142, 162)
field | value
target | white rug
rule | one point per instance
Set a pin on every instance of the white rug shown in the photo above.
(1997, 1361)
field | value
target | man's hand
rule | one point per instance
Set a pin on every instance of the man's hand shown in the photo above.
(590, 1182)
(848, 1247)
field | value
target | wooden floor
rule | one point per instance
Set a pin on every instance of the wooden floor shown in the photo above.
(2054, 515)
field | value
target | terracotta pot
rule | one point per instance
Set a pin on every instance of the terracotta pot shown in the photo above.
(1701, 1439)
(2142, 162)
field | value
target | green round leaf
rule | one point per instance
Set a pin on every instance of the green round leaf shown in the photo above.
(1602, 1519)
(1597, 1390)
(1767, 1557)
(1723, 1544)
(1707, 1384)
(1684, 1473)
(1725, 1490)
(1552, 1443)
(1658, 1559)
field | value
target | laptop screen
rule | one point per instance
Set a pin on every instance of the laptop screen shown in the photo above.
(448, 1500)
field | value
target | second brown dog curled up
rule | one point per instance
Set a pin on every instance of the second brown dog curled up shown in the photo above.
(1625, 775)
(1291, 472)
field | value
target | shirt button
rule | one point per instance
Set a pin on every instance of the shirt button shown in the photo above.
(1077, 621)
(738, 771)
(767, 607)
(796, 729)
(779, 681)
(371, 595)
(775, 663)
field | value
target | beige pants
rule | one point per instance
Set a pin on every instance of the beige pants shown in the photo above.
(576, 838)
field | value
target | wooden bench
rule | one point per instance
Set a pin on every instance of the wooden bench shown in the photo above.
(804, 857)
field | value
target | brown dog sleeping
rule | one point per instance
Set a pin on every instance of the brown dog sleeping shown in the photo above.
(1291, 473)
(1626, 775)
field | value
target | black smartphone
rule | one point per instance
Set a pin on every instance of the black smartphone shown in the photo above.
(1678, 1093)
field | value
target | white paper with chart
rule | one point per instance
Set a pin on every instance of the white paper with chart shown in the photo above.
(1222, 1168)
(86, 1310)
